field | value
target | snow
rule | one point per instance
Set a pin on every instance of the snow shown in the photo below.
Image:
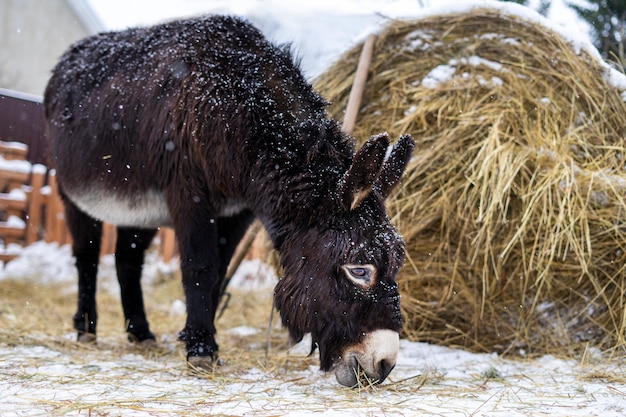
(243, 331)
(438, 75)
(428, 379)
(446, 72)
(178, 308)
(459, 384)
(47, 262)
(15, 145)
(15, 222)
(16, 194)
(15, 165)
(254, 275)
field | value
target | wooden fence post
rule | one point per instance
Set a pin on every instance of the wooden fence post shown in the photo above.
(168, 244)
(35, 205)
(55, 215)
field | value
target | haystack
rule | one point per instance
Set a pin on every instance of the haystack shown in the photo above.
(513, 207)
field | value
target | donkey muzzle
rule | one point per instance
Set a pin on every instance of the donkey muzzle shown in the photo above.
(370, 361)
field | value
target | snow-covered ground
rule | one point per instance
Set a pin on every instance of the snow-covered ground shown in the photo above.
(52, 379)
(428, 381)
(39, 380)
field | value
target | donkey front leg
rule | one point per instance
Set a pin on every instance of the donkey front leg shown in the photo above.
(86, 234)
(199, 258)
(129, 256)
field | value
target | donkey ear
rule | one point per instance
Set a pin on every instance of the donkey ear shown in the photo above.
(395, 165)
(359, 180)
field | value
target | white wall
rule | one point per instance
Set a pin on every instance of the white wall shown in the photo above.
(33, 34)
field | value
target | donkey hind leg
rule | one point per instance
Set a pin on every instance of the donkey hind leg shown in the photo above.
(129, 256)
(204, 263)
(86, 234)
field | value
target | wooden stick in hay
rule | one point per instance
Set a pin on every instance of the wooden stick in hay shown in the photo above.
(235, 262)
(358, 86)
(242, 250)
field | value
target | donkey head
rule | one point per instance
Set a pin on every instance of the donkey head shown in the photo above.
(340, 272)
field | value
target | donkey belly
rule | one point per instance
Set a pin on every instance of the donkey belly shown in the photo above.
(144, 209)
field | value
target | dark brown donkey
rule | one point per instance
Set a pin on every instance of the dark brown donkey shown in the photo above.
(203, 125)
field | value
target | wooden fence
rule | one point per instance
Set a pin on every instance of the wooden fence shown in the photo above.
(31, 209)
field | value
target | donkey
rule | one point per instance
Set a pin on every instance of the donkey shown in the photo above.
(203, 125)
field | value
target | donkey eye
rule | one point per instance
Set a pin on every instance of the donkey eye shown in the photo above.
(361, 275)
(358, 272)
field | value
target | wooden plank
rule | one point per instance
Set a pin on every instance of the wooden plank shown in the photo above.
(10, 179)
(168, 244)
(35, 205)
(11, 205)
(60, 229)
(56, 213)
(109, 237)
(47, 234)
(11, 233)
(13, 150)
(6, 257)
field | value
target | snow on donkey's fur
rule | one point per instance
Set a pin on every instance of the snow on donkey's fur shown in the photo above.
(202, 125)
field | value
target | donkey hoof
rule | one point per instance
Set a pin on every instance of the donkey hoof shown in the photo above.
(143, 344)
(148, 343)
(87, 338)
(206, 363)
(143, 339)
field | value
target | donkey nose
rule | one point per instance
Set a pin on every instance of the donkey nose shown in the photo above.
(376, 356)
(384, 369)
(382, 347)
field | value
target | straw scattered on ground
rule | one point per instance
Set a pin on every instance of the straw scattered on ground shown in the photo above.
(43, 371)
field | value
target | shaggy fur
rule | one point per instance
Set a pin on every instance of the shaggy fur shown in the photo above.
(202, 125)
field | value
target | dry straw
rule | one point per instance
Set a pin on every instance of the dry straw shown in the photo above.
(513, 206)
